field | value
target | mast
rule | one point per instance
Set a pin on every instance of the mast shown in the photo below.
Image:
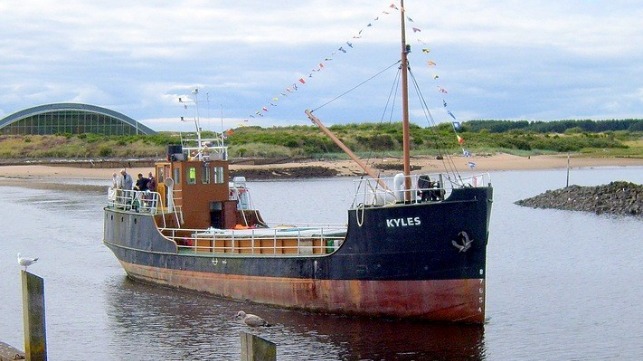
(405, 107)
(405, 122)
(197, 124)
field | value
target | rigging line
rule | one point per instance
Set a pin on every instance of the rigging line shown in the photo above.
(447, 160)
(448, 164)
(394, 88)
(356, 86)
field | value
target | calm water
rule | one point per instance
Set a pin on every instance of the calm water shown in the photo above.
(561, 285)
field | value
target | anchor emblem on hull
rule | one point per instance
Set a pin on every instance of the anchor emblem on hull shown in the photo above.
(465, 242)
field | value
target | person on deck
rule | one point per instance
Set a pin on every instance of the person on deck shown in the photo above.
(141, 191)
(124, 184)
(111, 194)
(141, 183)
(125, 181)
(151, 184)
(151, 187)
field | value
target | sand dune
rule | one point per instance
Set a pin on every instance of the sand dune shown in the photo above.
(497, 162)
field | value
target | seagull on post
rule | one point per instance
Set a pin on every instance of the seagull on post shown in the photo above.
(250, 319)
(26, 261)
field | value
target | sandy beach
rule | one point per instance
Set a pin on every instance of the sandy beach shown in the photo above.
(497, 162)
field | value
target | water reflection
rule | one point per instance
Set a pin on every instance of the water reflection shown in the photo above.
(153, 323)
(565, 280)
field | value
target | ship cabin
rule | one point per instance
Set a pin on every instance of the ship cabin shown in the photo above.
(203, 211)
(196, 185)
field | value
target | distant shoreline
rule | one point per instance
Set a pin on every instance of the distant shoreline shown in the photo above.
(320, 169)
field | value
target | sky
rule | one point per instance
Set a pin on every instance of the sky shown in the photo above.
(262, 63)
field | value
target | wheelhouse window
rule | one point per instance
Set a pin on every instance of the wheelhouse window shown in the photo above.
(191, 174)
(177, 176)
(218, 175)
(205, 174)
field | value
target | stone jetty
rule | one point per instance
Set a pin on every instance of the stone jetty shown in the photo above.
(619, 197)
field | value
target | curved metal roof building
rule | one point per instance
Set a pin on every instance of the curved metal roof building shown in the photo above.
(73, 118)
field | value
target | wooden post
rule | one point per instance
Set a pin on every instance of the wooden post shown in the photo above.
(33, 316)
(255, 348)
(567, 184)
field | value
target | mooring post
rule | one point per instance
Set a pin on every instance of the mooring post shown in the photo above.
(255, 348)
(567, 183)
(33, 316)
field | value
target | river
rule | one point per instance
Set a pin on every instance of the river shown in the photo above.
(561, 285)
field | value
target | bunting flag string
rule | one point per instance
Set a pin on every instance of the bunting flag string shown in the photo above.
(342, 49)
(347, 46)
(456, 125)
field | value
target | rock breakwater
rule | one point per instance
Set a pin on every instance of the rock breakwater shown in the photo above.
(622, 198)
(284, 173)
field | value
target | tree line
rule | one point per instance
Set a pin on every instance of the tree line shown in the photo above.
(609, 138)
(560, 126)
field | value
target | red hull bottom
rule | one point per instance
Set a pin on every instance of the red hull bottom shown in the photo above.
(436, 300)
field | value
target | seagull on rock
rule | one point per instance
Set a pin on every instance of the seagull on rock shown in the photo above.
(26, 261)
(250, 319)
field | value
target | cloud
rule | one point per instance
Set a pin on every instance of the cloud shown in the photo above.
(498, 59)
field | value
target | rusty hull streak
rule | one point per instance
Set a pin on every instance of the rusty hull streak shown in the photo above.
(431, 299)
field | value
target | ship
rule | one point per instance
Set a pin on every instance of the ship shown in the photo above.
(413, 245)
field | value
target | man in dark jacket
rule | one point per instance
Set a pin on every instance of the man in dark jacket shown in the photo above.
(141, 183)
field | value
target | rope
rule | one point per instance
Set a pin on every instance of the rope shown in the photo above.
(447, 160)
(359, 219)
(357, 86)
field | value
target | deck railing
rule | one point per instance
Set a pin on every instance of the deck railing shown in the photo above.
(261, 241)
(132, 200)
(424, 188)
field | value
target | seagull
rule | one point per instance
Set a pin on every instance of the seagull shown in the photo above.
(26, 261)
(250, 319)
